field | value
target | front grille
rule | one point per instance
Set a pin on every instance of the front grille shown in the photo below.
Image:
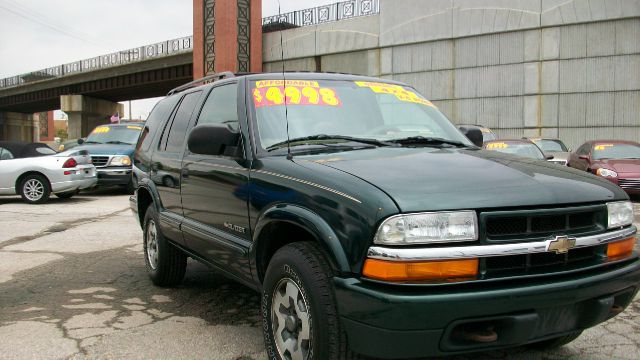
(99, 160)
(505, 226)
(543, 262)
(630, 184)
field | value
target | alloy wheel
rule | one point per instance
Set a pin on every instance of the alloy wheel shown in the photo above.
(33, 189)
(291, 325)
(152, 244)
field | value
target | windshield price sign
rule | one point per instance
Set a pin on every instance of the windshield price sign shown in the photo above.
(294, 92)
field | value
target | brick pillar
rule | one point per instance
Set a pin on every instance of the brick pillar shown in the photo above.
(227, 36)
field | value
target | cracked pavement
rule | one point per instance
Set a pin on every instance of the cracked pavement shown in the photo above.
(73, 285)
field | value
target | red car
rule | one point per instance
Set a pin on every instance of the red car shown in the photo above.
(616, 161)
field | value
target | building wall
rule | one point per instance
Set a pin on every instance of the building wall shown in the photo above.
(566, 68)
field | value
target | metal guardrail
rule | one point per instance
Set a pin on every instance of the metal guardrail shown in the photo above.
(325, 13)
(142, 53)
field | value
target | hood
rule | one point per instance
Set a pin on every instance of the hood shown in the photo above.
(621, 166)
(107, 149)
(429, 179)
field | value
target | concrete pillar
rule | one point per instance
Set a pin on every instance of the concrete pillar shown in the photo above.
(86, 113)
(227, 36)
(16, 126)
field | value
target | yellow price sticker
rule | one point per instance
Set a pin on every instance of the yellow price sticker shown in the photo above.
(498, 145)
(397, 90)
(134, 127)
(602, 146)
(279, 83)
(101, 130)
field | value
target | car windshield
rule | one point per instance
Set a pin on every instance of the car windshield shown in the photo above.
(487, 135)
(523, 149)
(114, 135)
(548, 145)
(616, 151)
(373, 111)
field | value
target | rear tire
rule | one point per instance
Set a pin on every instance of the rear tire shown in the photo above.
(35, 189)
(166, 263)
(556, 342)
(299, 308)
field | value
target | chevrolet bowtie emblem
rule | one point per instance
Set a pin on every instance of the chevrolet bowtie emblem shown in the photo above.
(561, 244)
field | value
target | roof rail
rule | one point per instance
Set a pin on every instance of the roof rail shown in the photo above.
(205, 80)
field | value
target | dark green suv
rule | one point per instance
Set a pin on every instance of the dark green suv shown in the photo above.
(371, 225)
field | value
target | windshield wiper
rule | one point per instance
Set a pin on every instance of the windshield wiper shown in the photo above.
(92, 142)
(367, 141)
(117, 142)
(413, 140)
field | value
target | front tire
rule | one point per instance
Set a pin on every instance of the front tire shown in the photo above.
(166, 263)
(300, 319)
(35, 189)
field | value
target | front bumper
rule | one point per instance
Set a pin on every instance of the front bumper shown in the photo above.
(404, 322)
(114, 175)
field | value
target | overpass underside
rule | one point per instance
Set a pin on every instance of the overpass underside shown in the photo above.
(131, 82)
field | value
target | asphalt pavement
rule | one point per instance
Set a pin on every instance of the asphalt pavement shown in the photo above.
(73, 285)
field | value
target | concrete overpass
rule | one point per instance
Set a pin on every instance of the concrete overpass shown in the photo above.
(90, 89)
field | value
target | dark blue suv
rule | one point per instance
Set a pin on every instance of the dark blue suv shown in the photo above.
(111, 148)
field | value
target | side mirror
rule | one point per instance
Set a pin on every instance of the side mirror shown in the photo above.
(80, 141)
(583, 157)
(548, 157)
(473, 134)
(213, 139)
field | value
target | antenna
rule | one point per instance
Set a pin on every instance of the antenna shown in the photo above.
(284, 87)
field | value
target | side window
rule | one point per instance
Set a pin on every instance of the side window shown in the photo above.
(177, 132)
(160, 112)
(583, 150)
(221, 107)
(5, 154)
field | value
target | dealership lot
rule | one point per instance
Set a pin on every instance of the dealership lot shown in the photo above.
(73, 284)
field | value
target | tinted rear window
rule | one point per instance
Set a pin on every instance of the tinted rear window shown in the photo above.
(158, 116)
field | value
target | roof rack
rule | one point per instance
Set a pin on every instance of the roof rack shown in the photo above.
(205, 80)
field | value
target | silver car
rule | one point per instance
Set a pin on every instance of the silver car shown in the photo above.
(34, 171)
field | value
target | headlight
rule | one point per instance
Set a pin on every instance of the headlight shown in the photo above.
(606, 173)
(120, 161)
(427, 228)
(620, 214)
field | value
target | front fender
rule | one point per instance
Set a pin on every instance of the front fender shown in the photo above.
(308, 220)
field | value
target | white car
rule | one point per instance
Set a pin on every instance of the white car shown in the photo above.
(34, 171)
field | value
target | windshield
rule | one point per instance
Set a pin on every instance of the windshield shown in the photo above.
(114, 135)
(351, 109)
(488, 136)
(551, 145)
(523, 149)
(616, 151)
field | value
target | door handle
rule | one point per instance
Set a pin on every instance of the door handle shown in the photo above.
(184, 173)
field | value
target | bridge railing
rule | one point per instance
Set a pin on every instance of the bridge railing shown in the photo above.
(325, 13)
(142, 53)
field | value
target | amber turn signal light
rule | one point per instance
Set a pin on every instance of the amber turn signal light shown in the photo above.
(621, 249)
(427, 271)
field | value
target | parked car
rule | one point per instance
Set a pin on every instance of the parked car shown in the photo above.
(370, 224)
(554, 147)
(111, 148)
(487, 134)
(520, 147)
(615, 160)
(34, 171)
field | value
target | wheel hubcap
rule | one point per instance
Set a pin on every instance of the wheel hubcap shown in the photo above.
(152, 244)
(33, 189)
(290, 316)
